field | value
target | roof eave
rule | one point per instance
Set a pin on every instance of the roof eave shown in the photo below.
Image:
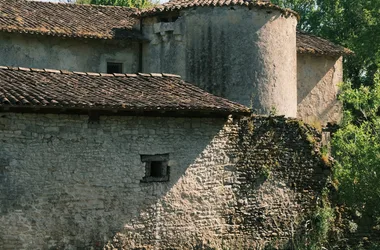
(345, 52)
(139, 38)
(104, 111)
(163, 9)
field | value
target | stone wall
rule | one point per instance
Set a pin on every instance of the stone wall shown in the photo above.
(84, 55)
(259, 192)
(317, 87)
(69, 184)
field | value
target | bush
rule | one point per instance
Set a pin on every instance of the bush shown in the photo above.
(356, 149)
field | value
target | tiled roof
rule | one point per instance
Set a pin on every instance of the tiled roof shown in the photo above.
(54, 89)
(183, 4)
(310, 44)
(67, 20)
(112, 22)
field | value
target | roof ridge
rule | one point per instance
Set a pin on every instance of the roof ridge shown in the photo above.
(68, 72)
(173, 5)
(312, 35)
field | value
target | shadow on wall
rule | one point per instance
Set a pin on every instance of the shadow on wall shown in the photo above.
(69, 184)
(215, 60)
(282, 176)
(190, 211)
(123, 33)
(74, 185)
(263, 190)
(318, 77)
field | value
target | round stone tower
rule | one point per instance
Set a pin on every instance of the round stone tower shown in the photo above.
(243, 51)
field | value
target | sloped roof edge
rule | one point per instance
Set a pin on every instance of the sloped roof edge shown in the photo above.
(68, 20)
(311, 44)
(59, 89)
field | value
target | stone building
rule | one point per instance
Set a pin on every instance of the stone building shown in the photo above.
(245, 51)
(94, 156)
(146, 161)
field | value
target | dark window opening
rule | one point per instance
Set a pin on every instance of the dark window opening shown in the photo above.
(114, 68)
(156, 168)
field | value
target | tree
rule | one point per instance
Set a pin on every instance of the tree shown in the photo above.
(127, 3)
(356, 148)
(352, 23)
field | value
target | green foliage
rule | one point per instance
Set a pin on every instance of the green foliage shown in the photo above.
(310, 138)
(362, 104)
(273, 111)
(318, 228)
(356, 148)
(315, 231)
(308, 9)
(323, 221)
(266, 171)
(352, 23)
(127, 3)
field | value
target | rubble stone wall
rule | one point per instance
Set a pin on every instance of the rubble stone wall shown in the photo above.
(66, 183)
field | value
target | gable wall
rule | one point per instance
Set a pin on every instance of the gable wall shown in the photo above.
(68, 184)
(84, 55)
(317, 88)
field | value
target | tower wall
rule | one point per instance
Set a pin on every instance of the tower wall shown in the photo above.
(246, 55)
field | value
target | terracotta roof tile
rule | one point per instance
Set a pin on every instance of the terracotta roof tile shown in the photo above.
(310, 44)
(183, 4)
(110, 22)
(53, 89)
(68, 20)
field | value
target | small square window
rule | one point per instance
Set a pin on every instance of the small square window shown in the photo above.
(156, 168)
(113, 67)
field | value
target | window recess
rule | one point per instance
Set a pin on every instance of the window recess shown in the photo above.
(156, 168)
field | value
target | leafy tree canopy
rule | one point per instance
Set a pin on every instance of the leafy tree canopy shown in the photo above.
(357, 149)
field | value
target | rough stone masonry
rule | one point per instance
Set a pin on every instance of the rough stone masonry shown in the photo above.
(67, 183)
